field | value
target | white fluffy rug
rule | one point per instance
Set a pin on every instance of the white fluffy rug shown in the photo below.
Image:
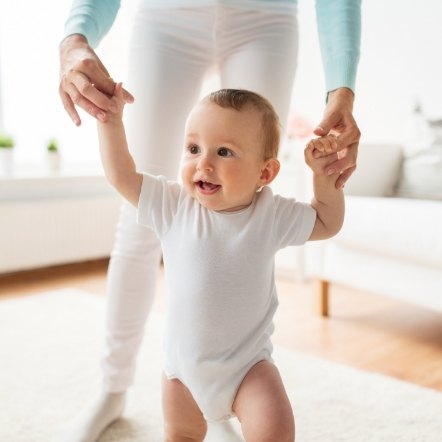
(49, 350)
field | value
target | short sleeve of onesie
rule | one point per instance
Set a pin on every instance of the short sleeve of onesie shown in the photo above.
(158, 203)
(294, 221)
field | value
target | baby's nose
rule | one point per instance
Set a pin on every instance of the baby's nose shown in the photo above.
(205, 163)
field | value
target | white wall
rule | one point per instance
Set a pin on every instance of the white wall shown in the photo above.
(400, 62)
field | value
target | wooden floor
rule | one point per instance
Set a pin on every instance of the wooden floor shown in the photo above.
(369, 332)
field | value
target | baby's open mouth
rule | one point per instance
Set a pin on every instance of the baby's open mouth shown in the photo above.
(206, 187)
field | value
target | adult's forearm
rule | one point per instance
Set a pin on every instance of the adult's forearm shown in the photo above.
(339, 27)
(92, 18)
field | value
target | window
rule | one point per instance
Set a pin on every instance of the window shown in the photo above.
(30, 107)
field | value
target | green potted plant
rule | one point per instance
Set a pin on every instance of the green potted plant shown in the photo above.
(53, 155)
(6, 154)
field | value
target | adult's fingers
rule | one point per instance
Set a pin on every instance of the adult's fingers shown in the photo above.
(102, 90)
(89, 90)
(349, 136)
(69, 106)
(345, 165)
(93, 69)
(101, 79)
(79, 98)
(325, 126)
(343, 177)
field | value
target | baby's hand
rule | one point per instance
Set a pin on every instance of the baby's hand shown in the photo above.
(324, 145)
(118, 102)
(321, 152)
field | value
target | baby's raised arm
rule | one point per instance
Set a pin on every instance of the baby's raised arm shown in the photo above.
(119, 166)
(327, 200)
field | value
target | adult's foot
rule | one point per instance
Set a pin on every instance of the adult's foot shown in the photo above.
(92, 420)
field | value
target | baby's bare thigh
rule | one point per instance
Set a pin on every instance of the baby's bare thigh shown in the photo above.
(183, 420)
(263, 407)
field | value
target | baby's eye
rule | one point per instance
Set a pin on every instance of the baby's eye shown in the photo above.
(224, 152)
(193, 149)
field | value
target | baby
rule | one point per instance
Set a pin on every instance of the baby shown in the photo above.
(220, 229)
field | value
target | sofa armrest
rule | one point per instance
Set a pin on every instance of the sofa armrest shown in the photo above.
(377, 172)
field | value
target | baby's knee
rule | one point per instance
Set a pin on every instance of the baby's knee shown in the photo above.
(183, 420)
(281, 432)
(284, 433)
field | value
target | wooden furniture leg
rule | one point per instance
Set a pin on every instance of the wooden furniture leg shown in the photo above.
(322, 295)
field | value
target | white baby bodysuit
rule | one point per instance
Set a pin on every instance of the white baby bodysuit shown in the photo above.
(220, 279)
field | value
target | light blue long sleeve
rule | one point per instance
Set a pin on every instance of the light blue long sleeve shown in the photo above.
(339, 27)
(92, 18)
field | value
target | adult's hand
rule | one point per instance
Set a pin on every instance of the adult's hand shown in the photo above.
(84, 80)
(338, 119)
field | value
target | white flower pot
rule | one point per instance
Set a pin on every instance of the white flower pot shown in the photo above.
(6, 161)
(53, 160)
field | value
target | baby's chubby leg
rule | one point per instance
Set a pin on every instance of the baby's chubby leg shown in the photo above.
(263, 407)
(183, 420)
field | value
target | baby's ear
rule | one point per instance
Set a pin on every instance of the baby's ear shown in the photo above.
(269, 171)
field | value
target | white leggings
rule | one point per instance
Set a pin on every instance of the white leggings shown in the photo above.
(171, 52)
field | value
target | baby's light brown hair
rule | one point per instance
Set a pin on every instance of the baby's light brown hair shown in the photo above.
(239, 99)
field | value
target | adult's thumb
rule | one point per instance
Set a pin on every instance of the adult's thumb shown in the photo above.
(322, 129)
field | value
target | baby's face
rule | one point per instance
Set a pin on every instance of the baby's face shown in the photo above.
(223, 157)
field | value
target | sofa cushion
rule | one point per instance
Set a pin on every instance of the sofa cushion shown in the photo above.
(421, 169)
(421, 175)
(377, 172)
(399, 228)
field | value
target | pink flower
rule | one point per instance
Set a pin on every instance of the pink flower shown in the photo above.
(298, 127)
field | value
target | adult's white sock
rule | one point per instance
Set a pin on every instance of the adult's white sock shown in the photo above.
(93, 419)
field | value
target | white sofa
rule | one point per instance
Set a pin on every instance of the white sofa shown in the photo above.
(388, 245)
